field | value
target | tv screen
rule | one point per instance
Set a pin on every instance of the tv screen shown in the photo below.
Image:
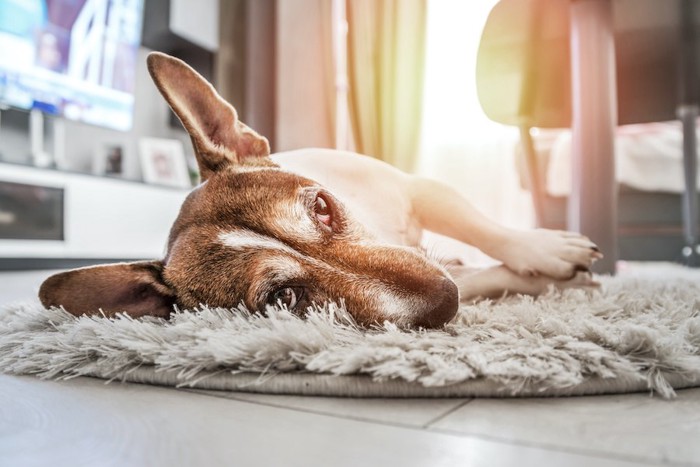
(71, 58)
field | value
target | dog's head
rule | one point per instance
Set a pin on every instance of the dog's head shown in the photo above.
(252, 233)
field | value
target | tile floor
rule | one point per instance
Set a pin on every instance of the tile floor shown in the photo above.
(86, 422)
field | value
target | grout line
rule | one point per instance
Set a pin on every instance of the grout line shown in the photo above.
(303, 410)
(309, 411)
(425, 428)
(558, 448)
(446, 413)
(453, 433)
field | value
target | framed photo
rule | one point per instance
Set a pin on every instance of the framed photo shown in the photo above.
(163, 162)
(109, 161)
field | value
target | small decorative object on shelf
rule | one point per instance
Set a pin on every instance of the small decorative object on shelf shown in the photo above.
(109, 160)
(163, 162)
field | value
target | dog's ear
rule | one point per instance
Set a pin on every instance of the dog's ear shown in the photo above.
(220, 140)
(135, 288)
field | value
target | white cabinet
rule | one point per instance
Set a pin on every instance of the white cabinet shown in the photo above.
(103, 218)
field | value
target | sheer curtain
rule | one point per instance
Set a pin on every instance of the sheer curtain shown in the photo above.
(459, 144)
(385, 64)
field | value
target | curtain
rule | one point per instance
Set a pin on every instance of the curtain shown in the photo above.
(229, 61)
(386, 61)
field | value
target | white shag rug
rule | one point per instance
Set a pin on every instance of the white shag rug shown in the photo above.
(636, 334)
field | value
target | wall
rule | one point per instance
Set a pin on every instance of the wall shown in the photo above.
(196, 21)
(305, 75)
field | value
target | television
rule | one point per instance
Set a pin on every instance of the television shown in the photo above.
(71, 58)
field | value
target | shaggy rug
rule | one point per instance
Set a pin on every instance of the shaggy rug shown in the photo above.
(634, 334)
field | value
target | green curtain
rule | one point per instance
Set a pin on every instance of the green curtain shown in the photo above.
(386, 61)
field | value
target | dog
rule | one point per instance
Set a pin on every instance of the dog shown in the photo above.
(312, 226)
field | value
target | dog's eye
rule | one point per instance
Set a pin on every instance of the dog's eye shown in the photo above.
(322, 209)
(287, 296)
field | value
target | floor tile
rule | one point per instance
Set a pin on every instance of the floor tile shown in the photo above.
(85, 422)
(627, 425)
(407, 412)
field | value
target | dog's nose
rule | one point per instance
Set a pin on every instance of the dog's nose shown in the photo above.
(446, 303)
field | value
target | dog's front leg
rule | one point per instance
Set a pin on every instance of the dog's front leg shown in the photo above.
(442, 209)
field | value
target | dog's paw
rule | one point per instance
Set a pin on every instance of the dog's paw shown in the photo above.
(581, 280)
(537, 285)
(554, 253)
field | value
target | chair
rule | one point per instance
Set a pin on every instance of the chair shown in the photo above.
(524, 78)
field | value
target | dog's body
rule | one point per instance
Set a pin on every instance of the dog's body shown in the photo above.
(312, 226)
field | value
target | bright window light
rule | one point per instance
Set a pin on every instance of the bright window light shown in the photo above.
(451, 111)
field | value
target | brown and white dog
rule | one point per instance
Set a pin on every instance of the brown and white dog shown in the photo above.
(311, 226)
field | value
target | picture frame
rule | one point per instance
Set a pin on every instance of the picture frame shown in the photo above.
(163, 162)
(109, 161)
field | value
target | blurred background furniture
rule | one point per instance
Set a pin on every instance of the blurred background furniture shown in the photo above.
(51, 219)
(593, 65)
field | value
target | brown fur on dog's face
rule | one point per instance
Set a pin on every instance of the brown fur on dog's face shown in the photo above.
(244, 257)
(255, 234)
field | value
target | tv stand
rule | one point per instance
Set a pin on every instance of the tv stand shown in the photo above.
(103, 219)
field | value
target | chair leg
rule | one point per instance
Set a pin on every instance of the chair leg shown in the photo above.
(533, 174)
(688, 115)
(687, 112)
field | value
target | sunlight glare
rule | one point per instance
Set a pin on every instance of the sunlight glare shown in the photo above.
(452, 113)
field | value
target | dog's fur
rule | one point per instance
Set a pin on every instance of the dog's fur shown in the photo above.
(311, 226)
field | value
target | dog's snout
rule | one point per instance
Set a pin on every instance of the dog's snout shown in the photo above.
(444, 305)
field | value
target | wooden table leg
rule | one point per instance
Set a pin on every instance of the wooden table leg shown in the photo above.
(593, 201)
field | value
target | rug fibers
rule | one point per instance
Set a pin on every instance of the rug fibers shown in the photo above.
(634, 334)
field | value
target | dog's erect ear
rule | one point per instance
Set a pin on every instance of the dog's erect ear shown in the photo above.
(134, 288)
(220, 140)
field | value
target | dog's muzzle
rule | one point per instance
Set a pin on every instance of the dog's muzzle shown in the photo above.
(445, 303)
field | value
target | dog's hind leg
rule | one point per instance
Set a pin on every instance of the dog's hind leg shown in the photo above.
(498, 281)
